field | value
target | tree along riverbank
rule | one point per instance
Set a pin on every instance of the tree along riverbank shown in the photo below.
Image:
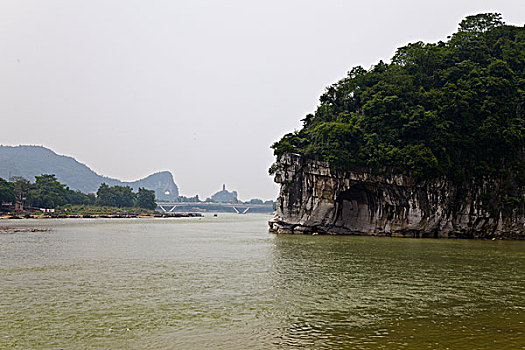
(92, 211)
(47, 193)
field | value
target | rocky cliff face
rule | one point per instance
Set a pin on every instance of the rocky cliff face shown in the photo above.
(316, 199)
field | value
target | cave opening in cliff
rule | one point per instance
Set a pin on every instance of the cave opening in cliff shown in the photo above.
(354, 206)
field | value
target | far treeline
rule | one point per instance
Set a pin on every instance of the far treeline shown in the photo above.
(453, 109)
(47, 192)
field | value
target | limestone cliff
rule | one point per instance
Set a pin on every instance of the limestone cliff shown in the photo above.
(314, 198)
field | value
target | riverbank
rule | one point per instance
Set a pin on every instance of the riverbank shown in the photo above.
(103, 216)
(93, 212)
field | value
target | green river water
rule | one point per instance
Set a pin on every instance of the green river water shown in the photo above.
(226, 283)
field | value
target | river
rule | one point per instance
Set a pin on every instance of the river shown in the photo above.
(226, 283)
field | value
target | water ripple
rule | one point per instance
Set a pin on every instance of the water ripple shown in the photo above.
(225, 283)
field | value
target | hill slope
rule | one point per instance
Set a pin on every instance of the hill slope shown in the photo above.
(29, 161)
(431, 144)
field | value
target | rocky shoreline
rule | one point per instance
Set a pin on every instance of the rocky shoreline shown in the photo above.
(316, 199)
(26, 228)
(10, 230)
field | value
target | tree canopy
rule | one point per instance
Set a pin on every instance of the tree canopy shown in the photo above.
(115, 196)
(453, 108)
(124, 197)
(146, 199)
(48, 192)
(7, 192)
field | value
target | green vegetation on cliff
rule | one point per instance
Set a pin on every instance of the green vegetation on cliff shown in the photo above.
(453, 109)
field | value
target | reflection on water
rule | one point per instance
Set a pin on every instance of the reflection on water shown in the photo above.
(399, 293)
(226, 283)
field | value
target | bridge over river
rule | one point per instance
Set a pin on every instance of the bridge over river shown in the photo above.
(192, 207)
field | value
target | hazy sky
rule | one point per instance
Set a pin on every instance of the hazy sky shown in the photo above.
(200, 88)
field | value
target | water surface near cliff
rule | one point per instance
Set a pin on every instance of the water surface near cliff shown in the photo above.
(227, 283)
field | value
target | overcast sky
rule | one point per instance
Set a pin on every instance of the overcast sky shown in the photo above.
(199, 88)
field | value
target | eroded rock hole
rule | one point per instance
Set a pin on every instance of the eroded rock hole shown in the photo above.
(355, 206)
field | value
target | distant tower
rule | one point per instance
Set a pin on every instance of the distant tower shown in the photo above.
(223, 187)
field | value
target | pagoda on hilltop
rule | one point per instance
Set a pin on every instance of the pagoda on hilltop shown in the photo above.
(225, 196)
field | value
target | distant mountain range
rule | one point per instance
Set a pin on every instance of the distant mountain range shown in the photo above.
(29, 161)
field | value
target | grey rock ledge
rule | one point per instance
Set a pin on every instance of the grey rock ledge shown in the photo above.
(316, 199)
